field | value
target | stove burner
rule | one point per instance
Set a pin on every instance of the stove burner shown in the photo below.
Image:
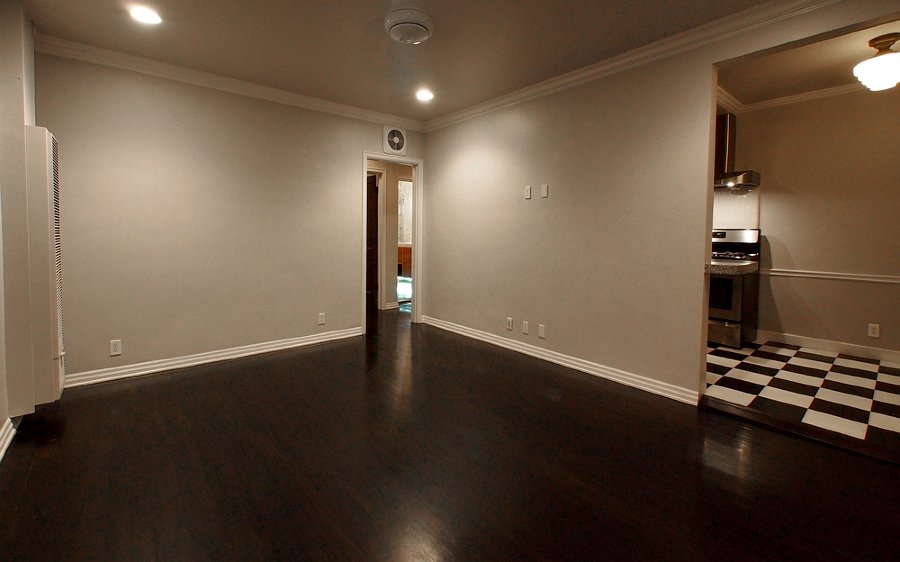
(735, 256)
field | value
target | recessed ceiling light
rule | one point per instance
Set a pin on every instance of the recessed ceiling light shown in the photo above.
(144, 14)
(424, 95)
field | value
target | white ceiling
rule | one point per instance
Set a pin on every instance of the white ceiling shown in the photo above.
(338, 50)
(797, 70)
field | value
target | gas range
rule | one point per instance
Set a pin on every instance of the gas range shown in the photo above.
(734, 297)
(754, 256)
(737, 244)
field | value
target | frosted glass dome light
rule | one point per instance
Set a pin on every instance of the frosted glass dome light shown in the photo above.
(146, 15)
(883, 70)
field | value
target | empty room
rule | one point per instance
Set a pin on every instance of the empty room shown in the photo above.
(430, 281)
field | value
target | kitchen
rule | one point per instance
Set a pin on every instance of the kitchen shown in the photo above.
(825, 360)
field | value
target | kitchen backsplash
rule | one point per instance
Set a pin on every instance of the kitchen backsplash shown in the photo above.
(735, 209)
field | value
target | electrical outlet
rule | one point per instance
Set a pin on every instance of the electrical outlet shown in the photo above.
(115, 347)
(321, 319)
(542, 331)
(874, 330)
(525, 327)
(509, 322)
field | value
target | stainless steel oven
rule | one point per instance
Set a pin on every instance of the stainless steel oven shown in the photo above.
(733, 287)
(725, 296)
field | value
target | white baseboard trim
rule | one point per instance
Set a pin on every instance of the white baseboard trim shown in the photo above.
(7, 432)
(148, 367)
(688, 396)
(881, 354)
(391, 305)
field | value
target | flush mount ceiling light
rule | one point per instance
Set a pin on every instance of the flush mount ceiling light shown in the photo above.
(410, 27)
(424, 94)
(144, 14)
(883, 70)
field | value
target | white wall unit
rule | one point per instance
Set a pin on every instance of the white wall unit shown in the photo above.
(45, 251)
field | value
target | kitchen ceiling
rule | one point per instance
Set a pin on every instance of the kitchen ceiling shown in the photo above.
(819, 65)
(337, 50)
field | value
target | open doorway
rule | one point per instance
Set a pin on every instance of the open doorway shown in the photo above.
(819, 363)
(404, 240)
(393, 205)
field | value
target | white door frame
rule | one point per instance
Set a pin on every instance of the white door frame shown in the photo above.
(418, 179)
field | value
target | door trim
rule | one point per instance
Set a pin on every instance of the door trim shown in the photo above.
(418, 179)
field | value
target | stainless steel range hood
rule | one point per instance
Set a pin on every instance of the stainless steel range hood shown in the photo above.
(744, 179)
(726, 177)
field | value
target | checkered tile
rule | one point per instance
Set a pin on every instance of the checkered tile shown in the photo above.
(840, 393)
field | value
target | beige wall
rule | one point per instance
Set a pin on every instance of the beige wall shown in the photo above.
(16, 110)
(392, 173)
(196, 220)
(829, 203)
(613, 261)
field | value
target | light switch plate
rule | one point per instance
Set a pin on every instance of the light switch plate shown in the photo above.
(545, 190)
(527, 192)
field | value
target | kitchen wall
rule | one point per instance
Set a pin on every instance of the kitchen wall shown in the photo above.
(612, 262)
(829, 205)
(392, 173)
(197, 220)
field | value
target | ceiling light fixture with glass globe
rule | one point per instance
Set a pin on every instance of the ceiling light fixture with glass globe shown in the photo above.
(883, 70)
(145, 15)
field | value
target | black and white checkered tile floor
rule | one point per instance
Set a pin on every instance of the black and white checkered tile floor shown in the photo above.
(839, 393)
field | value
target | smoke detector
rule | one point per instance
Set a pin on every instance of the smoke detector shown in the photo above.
(410, 27)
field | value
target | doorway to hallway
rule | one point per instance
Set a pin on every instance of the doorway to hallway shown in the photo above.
(392, 235)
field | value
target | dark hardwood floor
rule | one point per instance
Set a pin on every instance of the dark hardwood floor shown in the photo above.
(417, 444)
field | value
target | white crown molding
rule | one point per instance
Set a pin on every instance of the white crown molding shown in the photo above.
(7, 432)
(78, 51)
(748, 20)
(752, 18)
(806, 96)
(686, 395)
(881, 354)
(728, 102)
(148, 367)
(832, 276)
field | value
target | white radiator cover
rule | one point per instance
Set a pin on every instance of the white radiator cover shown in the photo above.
(45, 258)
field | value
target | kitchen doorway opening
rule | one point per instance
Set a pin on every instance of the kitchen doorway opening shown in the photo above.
(392, 278)
(805, 363)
